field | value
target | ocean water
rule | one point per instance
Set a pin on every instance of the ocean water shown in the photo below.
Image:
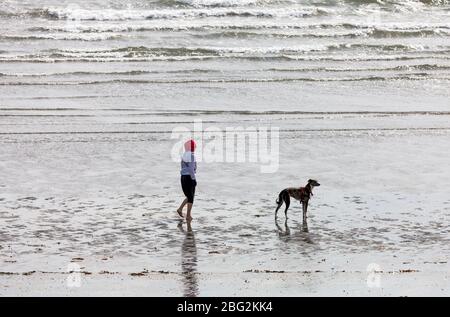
(226, 55)
(91, 90)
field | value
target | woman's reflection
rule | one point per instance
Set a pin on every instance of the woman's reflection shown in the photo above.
(189, 261)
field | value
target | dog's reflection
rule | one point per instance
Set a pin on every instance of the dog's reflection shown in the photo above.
(285, 233)
(305, 226)
(189, 261)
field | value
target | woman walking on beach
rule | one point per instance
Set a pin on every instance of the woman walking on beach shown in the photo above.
(188, 181)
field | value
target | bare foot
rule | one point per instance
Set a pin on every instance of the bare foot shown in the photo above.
(189, 219)
(180, 213)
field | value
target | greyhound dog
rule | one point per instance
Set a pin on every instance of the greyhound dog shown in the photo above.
(303, 194)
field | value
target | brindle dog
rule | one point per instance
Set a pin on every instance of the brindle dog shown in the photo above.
(303, 194)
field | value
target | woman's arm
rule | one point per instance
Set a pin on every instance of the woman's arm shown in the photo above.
(192, 167)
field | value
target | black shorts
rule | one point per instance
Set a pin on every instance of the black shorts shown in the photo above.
(188, 186)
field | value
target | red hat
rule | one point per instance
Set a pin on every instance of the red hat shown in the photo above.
(190, 146)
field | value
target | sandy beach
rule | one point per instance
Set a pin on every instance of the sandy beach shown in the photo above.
(91, 94)
(100, 226)
(230, 284)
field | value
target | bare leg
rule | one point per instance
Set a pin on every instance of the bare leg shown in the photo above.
(189, 227)
(180, 210)
(180, 226)
(188, 215)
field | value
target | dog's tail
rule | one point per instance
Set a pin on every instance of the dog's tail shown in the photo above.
(280, 197)
(279, 201)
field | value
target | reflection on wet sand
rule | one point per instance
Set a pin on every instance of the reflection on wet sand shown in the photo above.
(189, 261)
(305, 226)
(285, 233)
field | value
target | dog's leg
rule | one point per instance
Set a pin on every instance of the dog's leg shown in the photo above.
(279, 202)
(276, 210)
(305, 221)
(287, 201)
(280, 230)
(305, 208)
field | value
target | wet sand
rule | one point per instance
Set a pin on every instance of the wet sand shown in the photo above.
(98, 206)
(229, 284)
(90, 93)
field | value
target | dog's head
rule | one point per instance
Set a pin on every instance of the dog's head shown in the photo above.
(313, 183)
